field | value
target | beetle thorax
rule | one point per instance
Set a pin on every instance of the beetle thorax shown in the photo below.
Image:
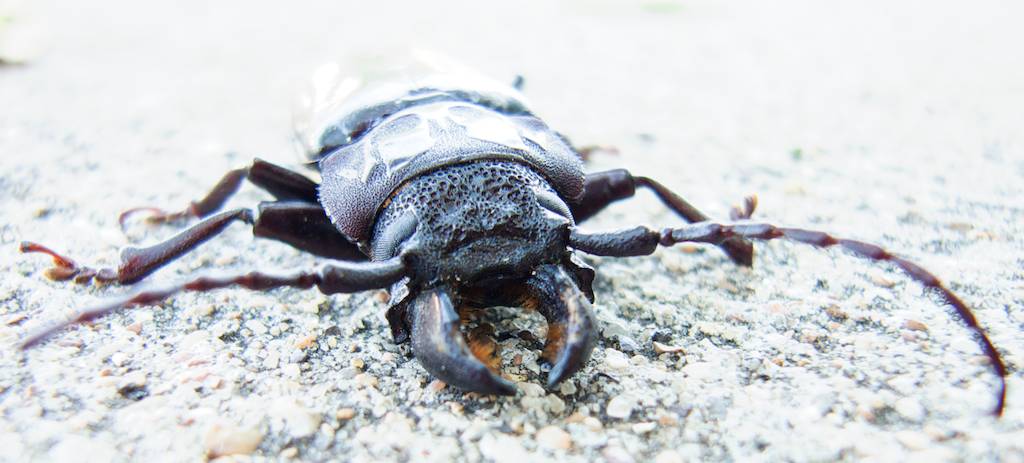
(468, 222)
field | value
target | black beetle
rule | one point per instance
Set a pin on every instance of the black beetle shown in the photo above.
(454, 196)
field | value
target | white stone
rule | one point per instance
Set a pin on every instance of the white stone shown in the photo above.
(553, 437)
(621, 406)
(503, 448)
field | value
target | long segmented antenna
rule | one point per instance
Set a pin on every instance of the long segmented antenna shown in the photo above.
(337, 277)
(643, 241)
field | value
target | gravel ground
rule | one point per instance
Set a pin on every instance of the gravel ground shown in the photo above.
(896, 123)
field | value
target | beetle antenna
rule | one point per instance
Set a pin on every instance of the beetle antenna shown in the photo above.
(643, 241)
(333, 278)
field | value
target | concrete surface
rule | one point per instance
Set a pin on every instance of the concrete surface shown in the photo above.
(893, 122)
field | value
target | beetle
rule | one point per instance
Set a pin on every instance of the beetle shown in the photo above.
(452, 195)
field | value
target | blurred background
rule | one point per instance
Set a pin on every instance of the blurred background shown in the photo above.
(894, 122)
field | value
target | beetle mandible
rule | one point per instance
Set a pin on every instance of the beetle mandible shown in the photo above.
(449, 192)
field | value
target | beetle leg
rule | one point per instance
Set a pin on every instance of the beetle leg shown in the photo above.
(337, 277)
(571, 324)
(306, 227)
(282, 183)
(303, 226)
(603, 188)
(441, 348)
(65, 268)
(643, 241)
(137, 263)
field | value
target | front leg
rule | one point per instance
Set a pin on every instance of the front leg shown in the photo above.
(301, 225)
(604, 188)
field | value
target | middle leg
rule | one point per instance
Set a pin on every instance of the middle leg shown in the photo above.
(282, 183)
(298, 224)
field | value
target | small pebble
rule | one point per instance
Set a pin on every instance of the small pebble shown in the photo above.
(628, 344)
(616, 454)
(366, 380)
(345, 414)
(299, 421)
(620, 406)
(257, 327)
(224, 440)
(204, 310)
(555, 404)
(272, 359)
(118, 359)
(645, 427)
(476, 430)
(134, 379)
(593, 423)
(553, 437)
(306, 341)
(910, 408)
(660, 348)
(615, 360)
(357, 363)
(436, 386)
(835, 312)
(667, 420)
(576, 417)
(503, 448)
(135, 327)
(291, 370)
(531, 389)
(290, 452)
(915, 325)
(668, 456)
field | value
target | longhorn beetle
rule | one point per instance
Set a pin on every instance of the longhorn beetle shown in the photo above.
(449, 192)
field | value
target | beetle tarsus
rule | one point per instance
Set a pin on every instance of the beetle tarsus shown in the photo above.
(65, 268)
(746, 211)
(156, 216)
